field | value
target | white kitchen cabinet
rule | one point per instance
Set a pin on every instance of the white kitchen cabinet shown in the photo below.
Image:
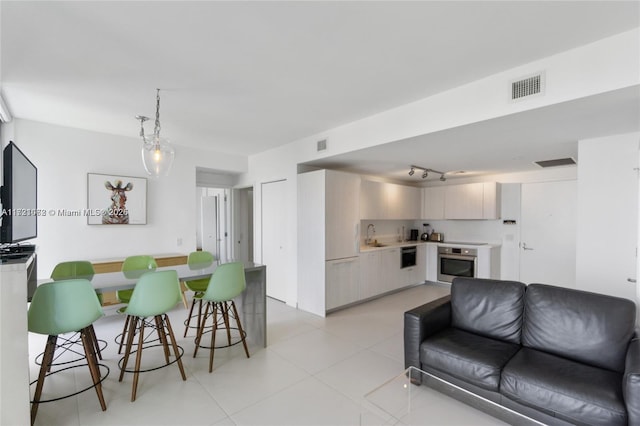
(390, 273)
(389, 201)
(372, 200)
(328, 222)
(472, 201)
(433, 203)
(464, 201)
(342, 217)
(421, 264)
(342, 282)
(370, 278)
(432, 262)
(403, 202)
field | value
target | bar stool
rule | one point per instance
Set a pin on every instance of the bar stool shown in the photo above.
(66, 271)
(132, 267)
(203, 258)
(62, 307)
(154, 295)
(227, 282)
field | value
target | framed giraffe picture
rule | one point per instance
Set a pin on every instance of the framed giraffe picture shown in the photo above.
(116, 200)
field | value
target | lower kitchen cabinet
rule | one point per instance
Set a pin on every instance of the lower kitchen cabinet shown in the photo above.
(380, 271)
(342, 282)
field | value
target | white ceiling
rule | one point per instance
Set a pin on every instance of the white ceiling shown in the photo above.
(243, 77)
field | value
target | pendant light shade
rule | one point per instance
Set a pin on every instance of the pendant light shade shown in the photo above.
(157, 155)
(157, 152)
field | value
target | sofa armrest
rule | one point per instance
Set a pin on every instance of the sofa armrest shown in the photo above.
(422, 322)
(631, 382)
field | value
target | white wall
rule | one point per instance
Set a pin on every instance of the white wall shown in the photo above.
(64, 156)
(607, 228)
(570, 75)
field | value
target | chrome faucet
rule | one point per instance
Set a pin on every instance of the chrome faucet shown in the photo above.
(367, 241)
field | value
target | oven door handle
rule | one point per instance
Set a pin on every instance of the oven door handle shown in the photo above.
(457, 257)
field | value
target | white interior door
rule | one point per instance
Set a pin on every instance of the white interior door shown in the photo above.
(209, 225)
(548, 233)
(274, 224)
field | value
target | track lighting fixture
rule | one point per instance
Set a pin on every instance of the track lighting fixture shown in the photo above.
(426, 171)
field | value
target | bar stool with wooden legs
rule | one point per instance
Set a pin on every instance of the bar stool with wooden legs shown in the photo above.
(198, 287)
(72, 270)
(132, 267)
(227, 282)
(154, 295)
(62, 307)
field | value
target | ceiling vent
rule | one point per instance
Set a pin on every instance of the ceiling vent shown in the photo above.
(322, 145)
(556, 163)
(529, 86)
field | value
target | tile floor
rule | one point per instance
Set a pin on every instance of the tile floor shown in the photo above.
(314, 371)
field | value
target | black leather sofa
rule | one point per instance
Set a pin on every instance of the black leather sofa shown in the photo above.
(557, 355)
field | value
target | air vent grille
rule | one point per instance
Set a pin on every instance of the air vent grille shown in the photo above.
(322, 145)
(526, 87)
(556, 163)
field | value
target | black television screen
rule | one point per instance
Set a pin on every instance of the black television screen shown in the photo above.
(19, 197)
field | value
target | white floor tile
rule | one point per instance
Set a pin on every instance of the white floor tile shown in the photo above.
(313, 372)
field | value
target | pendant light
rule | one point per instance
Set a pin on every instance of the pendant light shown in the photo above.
(157, 152)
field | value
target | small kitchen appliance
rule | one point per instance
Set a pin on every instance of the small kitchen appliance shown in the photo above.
(436, 236)
(414, 235)
(426, 232)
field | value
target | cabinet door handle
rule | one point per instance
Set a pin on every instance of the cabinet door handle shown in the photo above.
(631, 280)
(524, 247)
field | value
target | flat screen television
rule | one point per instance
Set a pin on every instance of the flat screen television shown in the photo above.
(19, 196)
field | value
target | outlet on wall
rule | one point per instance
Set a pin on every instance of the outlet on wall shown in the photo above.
(179, 241)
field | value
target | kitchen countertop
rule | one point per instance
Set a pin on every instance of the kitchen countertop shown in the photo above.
(415, 243)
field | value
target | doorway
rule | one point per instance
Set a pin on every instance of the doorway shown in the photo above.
(212, 232)
(548, 233)
(242, 199)
(274, 226)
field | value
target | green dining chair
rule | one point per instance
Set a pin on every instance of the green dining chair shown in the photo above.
(72, 270)
(154, 295)
(133, 266)
(226, 283)
(62, 307)
(197, 286)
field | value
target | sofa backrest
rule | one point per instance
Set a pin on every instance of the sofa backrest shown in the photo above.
(588, 327)
(491, 308)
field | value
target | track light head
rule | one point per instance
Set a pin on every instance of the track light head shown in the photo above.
(411, 172)
(442, 178)
(425, 174)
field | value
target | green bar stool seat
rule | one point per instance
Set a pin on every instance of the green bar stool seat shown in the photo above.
(66, 352)
(154, 295)
(132, 267)
(62, 307)
(197, 259)
(226, 283)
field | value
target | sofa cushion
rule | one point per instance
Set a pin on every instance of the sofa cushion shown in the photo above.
(586, 327)
(475, 359)
(490, 308)
(573, 391)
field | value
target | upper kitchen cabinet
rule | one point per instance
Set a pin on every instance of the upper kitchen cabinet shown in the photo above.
(342, 214)
(380, 200)
(466, 201)
(433, 202)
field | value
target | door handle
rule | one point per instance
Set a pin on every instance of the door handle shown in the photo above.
(631, 280)
(524, 247)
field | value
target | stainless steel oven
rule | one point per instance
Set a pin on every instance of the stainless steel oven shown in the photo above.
(456, 262)
(408, 257)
